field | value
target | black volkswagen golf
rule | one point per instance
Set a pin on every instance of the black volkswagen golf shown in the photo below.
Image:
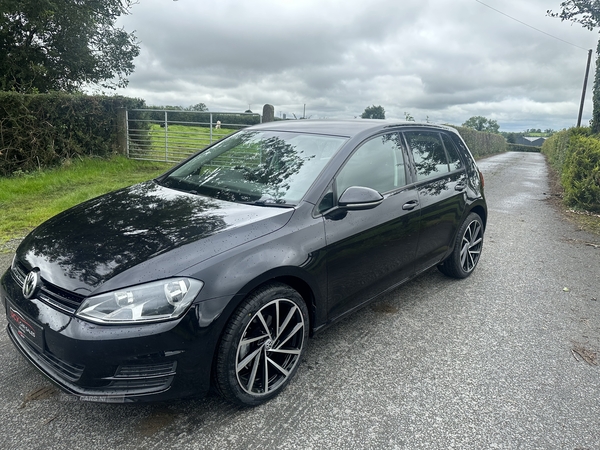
(215, 273)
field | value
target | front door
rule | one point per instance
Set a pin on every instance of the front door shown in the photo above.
(372, 250)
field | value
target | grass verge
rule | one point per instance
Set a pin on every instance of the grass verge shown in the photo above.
(29, 199)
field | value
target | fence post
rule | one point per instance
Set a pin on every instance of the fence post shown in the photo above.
(127, 131)
(210, 127)
(166, 138)
(122, 131)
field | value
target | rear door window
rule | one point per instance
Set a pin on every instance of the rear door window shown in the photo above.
(428, 154)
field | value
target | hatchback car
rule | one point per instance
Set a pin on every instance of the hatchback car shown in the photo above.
(215, 273)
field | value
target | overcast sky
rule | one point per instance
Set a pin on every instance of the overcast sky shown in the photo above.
(435, 59)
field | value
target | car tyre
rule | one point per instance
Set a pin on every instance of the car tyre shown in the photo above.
(262, 345)
(467, 249)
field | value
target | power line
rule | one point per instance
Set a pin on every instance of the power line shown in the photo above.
(534, 28)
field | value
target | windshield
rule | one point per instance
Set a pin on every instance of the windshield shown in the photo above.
(261, 167)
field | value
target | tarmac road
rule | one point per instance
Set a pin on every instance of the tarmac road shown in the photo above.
(504, 359)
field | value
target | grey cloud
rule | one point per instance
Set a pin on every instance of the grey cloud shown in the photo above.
(438, 59)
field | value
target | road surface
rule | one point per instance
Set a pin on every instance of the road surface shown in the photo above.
(504, 359)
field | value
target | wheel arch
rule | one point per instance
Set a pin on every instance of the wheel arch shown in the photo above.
(481, 212)
(293, 277)
(306, 292)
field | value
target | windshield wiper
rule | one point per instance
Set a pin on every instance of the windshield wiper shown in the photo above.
(270, 201)
(180, 185)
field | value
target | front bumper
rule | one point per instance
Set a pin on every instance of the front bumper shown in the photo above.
(147, 362)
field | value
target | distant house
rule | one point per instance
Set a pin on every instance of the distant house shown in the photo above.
(533, 141)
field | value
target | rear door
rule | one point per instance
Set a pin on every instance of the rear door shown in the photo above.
(369, 251)
(441, 182)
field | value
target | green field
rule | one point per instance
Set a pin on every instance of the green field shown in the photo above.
(174, 144)
(28, 200)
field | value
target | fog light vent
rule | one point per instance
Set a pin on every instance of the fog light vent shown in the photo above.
(146, 370)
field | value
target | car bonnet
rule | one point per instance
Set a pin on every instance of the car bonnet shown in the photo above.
(89, 244)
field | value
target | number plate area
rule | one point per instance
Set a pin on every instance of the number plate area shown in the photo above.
(25, 327)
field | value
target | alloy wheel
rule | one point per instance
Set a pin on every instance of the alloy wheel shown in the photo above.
(472, 241)
(270, 347)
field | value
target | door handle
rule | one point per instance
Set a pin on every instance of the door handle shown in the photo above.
(410, 205)
(461, 186)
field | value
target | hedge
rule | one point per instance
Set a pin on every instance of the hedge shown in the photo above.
(194, 118)
(523, 148)
(481, 143)
(575, 154)
(39, 130)
(581, 173)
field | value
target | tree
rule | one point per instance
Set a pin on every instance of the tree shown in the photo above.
(64, 44)
(197, 107)
(587, 14)
(481, 123)
(373, 112)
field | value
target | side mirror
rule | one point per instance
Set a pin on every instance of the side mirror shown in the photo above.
(359, 197)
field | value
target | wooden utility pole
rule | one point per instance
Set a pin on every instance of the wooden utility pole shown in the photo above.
(587, 71)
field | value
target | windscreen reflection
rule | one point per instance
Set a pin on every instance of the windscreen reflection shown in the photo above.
(261, 167)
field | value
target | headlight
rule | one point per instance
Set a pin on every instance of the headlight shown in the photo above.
(159, 300)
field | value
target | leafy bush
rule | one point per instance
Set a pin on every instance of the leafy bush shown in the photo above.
(581, 173)
(39, 130)
(575, 154)
(482, 143)
(557, 146)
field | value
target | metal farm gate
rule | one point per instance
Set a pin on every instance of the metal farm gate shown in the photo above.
(173, 135)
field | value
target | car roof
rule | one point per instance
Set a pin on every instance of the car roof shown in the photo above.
(349, 128)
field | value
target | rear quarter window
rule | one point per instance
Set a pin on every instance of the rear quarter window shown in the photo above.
(462, 148)
(454, 160)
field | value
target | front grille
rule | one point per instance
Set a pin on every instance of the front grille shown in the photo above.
(60, 298)
(153, 384)
(71, 372)
(18, 274)
(49, 293)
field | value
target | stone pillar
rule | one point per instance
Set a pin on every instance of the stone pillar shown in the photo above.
(268, 113)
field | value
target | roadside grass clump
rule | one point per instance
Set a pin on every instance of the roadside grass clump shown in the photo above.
(29, 198)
